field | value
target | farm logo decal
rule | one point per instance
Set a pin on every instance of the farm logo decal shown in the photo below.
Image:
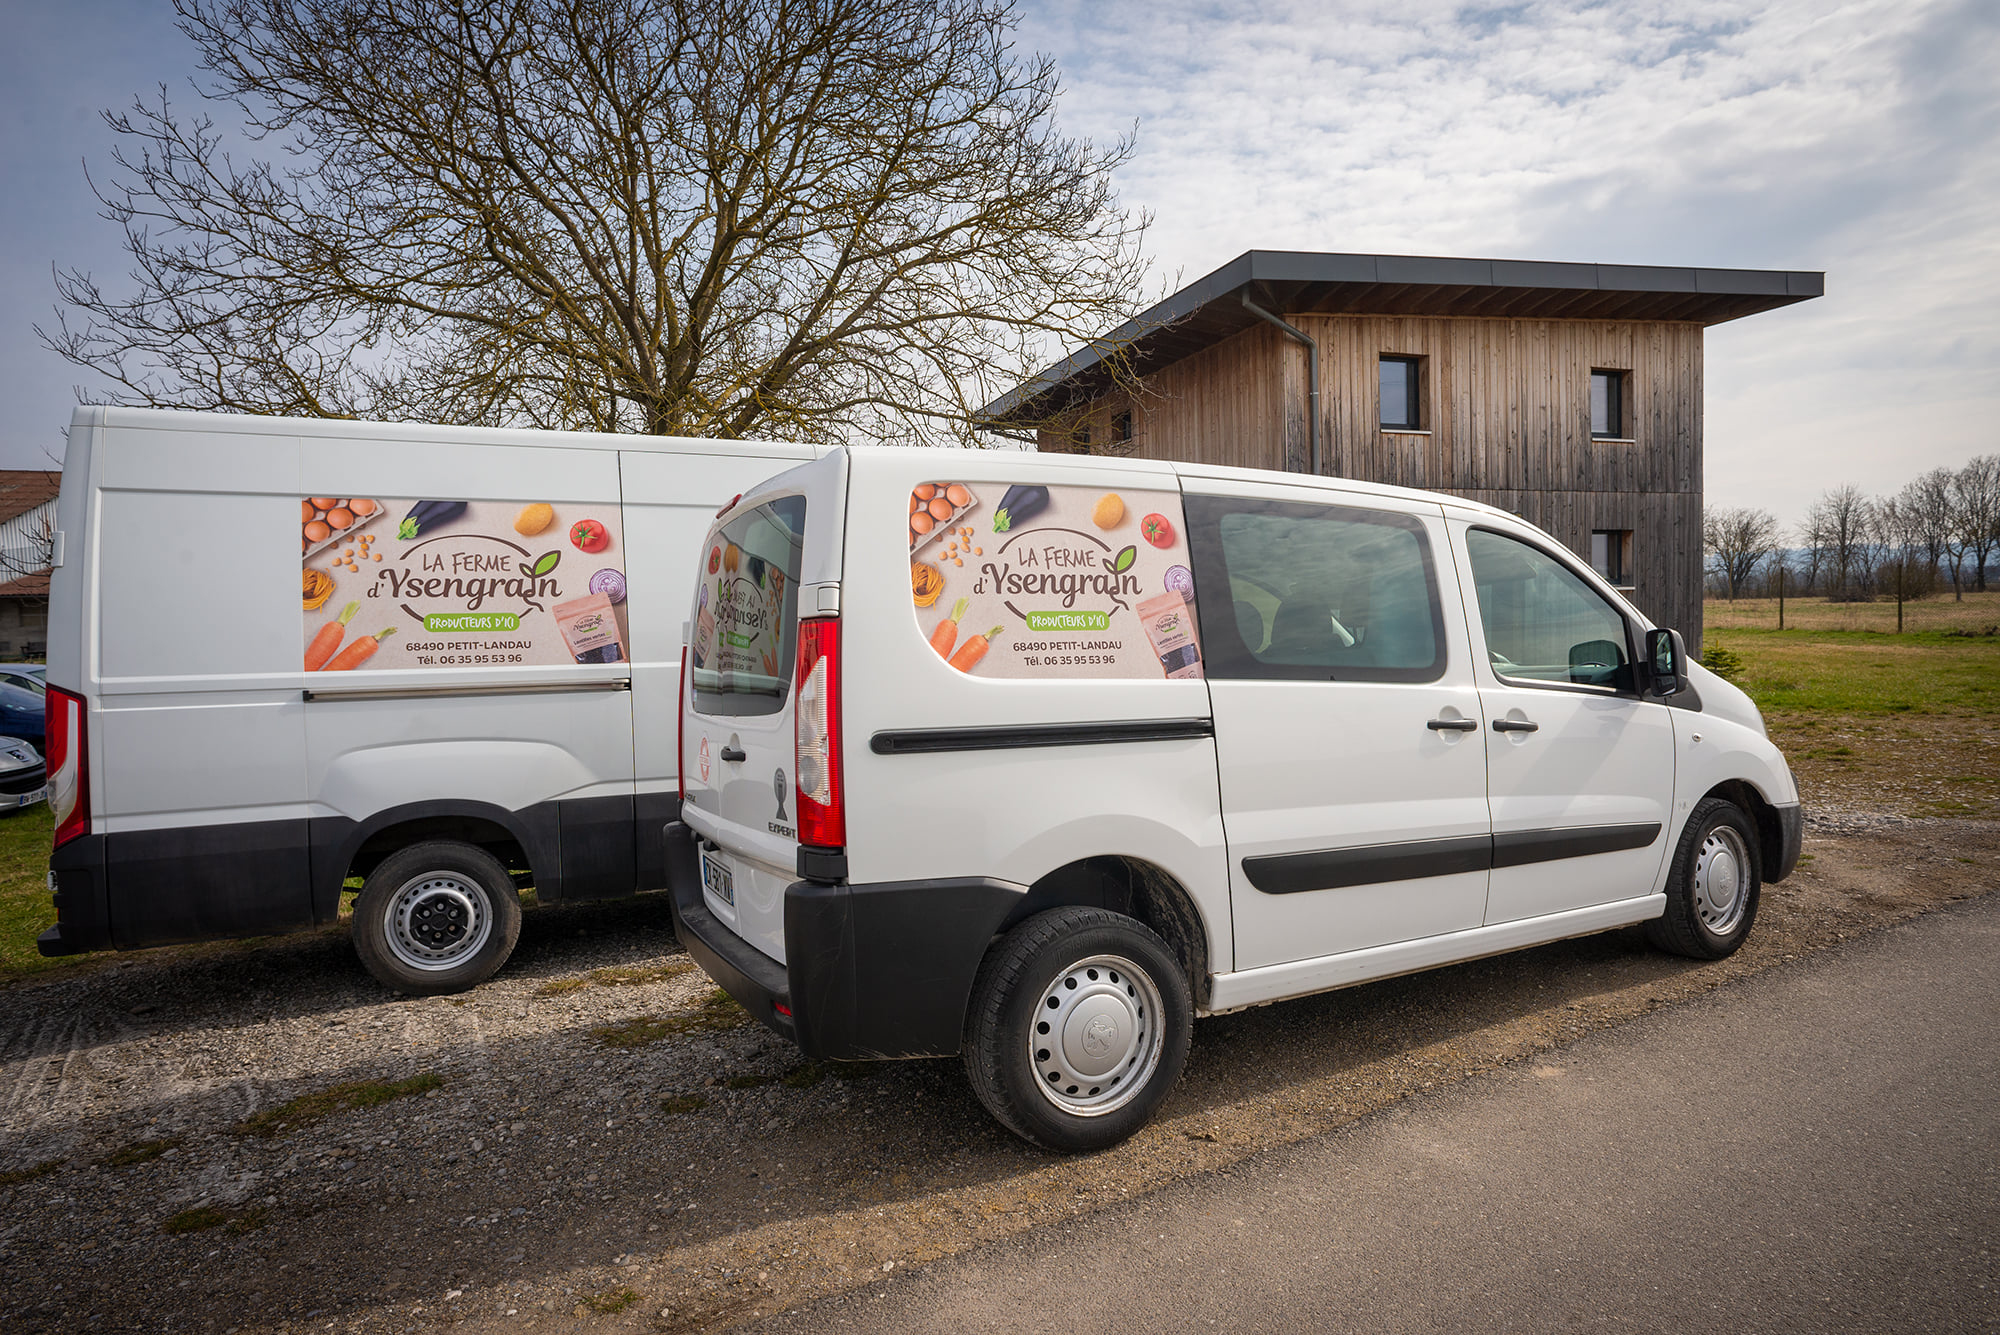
(1053, 581)
(1061, 565)
(459, 583)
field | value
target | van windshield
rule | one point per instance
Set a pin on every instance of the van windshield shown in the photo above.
(746, 612)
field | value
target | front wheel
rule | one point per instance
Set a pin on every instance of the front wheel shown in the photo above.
(437, 917)
(1079, 1028)
(1713, 889)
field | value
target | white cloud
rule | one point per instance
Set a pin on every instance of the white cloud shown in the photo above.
(1857, 139)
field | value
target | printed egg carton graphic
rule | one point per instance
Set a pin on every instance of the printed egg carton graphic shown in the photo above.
(329, 521)
(935, 508)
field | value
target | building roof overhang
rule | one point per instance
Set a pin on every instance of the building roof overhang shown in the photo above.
(1292, 282)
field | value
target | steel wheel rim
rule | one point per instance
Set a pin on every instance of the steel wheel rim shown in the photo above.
(1722, 881)
(437, 921)
(1097, 1036)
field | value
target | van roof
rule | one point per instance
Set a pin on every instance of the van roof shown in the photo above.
(344, 428)
(1156, 467)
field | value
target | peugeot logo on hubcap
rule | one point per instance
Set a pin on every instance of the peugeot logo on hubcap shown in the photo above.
(1099, 1036)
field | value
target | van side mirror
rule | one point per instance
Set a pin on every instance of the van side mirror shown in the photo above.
(1666, 660)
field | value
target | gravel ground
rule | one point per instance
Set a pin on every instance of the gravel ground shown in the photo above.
(592, 1142)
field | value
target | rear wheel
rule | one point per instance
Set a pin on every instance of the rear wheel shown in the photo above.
(1079, 1028)
(1716, 881)
(437, 917)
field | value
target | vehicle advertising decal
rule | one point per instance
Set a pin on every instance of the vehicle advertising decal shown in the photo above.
(1064, 581)
(739, 612)
(396, 582)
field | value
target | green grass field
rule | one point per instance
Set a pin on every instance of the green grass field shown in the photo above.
(1865, 672)
(24, 891)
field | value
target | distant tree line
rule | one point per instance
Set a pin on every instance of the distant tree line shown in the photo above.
(1939, 530)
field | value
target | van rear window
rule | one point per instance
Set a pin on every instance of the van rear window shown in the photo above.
(746, 611)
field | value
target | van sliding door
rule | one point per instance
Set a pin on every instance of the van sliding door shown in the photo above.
(1346, 722)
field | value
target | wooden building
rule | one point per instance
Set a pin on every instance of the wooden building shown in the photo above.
(1569, 394)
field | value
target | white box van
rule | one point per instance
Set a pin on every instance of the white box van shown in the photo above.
(461, 682)
(1034, 758)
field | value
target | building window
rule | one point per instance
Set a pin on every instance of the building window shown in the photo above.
(1402, 379)
(1611, 555)
(1607, 404)
(1121, 429)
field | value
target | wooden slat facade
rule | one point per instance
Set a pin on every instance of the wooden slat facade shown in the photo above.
(1506, 418)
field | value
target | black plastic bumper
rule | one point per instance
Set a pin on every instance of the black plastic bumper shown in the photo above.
(1791, 834)
(83, 911)
(874, 971)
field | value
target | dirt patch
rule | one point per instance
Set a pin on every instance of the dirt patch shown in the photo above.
(1857, 772)
(705, 1176)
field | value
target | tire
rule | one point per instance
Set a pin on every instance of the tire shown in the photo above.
(1715, 884)
(1110, 987)
(436, 917)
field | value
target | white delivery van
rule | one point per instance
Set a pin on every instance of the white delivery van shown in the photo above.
(1035, 758)
(460, 682)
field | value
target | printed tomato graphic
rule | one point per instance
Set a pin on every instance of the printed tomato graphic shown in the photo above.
(1157, 530)
(714, 559)
(587, 535)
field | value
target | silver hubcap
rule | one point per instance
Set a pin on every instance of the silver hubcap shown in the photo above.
(1722, 881)
(438, 921)
(1096, 1039)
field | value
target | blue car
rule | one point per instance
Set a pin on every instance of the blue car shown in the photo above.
(23, 714)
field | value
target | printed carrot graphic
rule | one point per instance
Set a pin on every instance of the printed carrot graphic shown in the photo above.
(354, 655)
(946, 634)
(329, 637)
(974, 649)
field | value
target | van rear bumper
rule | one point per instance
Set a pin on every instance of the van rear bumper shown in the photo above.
(83, 916)
(754, 979)
(873, 971)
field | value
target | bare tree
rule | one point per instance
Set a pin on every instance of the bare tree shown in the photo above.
(1975, 491)
(1924, 507)
(1905, 566)
(1738, 539)
(804, 218)
(1838, 531)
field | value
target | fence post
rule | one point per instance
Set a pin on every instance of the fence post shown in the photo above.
(1781, 597)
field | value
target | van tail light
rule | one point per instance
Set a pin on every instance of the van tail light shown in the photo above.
(817, 771)
(681, 727)
(68, 754)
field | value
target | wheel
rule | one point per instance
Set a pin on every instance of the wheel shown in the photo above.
(1713, 889)
(1079, 1027)
(436, 917)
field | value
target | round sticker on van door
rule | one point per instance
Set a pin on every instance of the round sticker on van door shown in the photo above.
(1033, 580)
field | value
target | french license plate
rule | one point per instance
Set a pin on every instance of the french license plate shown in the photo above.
(29, 799)
(718, 880)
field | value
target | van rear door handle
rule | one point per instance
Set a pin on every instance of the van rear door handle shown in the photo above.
(1499, 725)
(1453, 725)
(734, 756)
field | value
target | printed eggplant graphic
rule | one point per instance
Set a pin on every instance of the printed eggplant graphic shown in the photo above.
(428, 517)
(1019, 503)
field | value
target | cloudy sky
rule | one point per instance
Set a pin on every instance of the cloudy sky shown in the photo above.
(1857, 139)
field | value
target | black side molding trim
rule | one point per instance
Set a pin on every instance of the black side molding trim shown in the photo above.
(1333, 868)
(1518, 848)
(1371, 864)
(916, 741)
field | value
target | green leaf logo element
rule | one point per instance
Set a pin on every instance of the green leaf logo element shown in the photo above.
(545, 563)
(1122, 562)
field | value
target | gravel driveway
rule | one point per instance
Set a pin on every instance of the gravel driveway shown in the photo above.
(256, 1137)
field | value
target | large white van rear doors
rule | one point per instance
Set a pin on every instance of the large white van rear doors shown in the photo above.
(742, 652)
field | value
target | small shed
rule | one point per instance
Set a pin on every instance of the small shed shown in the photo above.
(1569, 394)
